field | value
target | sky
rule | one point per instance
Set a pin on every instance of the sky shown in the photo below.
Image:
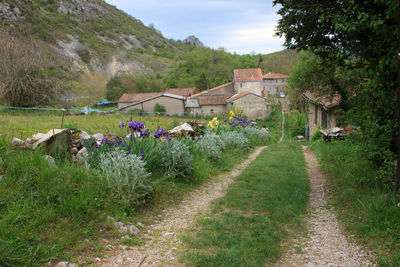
(238, 26)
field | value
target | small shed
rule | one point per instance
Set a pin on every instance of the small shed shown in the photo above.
(212, 104)
(174, 104)
(321, 111)
(252, 105)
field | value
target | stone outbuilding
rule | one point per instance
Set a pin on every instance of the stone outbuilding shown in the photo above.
(252, 105)
(321, 111)
(174, 104)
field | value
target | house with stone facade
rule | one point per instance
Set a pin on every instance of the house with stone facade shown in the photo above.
(248, 80)
(321, 111)
(253, 105)
(273, 83)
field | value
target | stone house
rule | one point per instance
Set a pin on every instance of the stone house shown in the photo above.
(273, 83)
(174, 104)
(211, 101)
(321, 111)
(248, 80)
(253, 105)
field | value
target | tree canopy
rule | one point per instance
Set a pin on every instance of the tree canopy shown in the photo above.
(359, 40)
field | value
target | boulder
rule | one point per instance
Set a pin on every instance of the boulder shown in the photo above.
(18, 142)
(133, 229)
(82, 155)
(37, 137)
(55, 140)
(182, 130)
(98, 137)
(51, 160)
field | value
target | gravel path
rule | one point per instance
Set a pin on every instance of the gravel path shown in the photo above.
(163, 236)
(325, 244)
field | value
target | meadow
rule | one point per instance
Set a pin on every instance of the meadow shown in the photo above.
(49, 213)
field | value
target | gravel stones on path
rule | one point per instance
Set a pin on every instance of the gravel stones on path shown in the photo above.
(163, 237)
(325, 244)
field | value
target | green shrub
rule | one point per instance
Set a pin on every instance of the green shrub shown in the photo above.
(234, 140)
(159, 108)
(176, 159)
(211, 145)
(125, 173)
(257, 136)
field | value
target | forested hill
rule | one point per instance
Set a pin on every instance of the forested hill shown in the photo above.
(88, 44)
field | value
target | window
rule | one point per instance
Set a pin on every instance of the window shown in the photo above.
(212, 110)
(316, 114)
(240, 85)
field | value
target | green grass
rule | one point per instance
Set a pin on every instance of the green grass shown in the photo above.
(23, 124)
(366, 209)
(248, 225)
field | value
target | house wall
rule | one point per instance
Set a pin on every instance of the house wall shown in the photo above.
(172, 105)
(217, 109)
(224, 90)
(331, 122)
(253, 87)
(253, 107)
(274, 86)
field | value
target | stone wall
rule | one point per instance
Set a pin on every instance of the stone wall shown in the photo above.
(253, 87)
(253, 107)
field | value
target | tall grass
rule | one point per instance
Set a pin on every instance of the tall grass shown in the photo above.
(367, 209)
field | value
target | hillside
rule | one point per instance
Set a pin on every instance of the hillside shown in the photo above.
(96, 50)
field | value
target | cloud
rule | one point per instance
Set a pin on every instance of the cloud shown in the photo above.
(241, 26)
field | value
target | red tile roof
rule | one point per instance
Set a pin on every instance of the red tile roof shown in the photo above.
(210, 90)
(237, 96)
(274, 76)
(245, 75)
(212, 100)
(131, 98)
(186, 92)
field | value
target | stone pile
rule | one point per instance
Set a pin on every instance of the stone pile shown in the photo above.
(59, 140)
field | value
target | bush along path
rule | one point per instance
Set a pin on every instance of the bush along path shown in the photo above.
(325, 244)
(162, 237)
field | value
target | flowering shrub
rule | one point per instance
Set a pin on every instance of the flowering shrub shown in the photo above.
(257, 136)
(234, 140)
(176, 159)
(211, 145)
(125, 172)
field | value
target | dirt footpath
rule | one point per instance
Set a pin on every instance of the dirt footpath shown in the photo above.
(163, 240)
(326, 244)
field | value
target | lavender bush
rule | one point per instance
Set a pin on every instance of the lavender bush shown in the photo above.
(211, 145)
(234, 140)
(124, 172)
(176, 159)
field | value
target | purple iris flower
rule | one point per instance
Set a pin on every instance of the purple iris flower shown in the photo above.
(141, 155)
(145, 133)
(159, 133)
(225, 120)
(168, 138)
(122, 124)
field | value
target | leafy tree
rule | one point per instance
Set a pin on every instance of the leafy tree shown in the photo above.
(362, 36)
